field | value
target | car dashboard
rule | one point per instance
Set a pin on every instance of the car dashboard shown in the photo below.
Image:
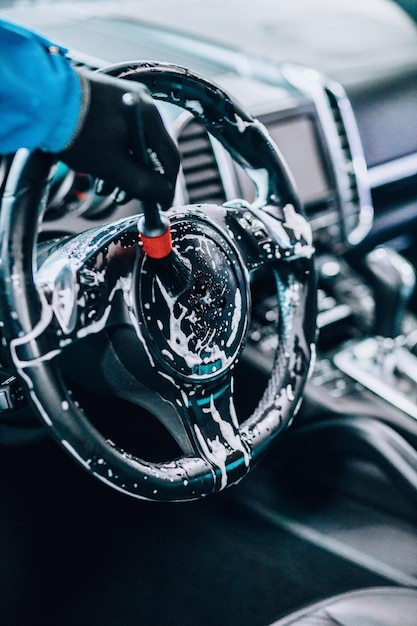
(349, 154)
(336, 90)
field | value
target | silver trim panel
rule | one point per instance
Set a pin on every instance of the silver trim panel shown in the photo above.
(386, 369)
(317, 87)
(392, 171)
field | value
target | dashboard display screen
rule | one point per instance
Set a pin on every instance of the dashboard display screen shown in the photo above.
(298, 143)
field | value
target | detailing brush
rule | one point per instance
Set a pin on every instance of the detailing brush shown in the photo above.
(173, 271)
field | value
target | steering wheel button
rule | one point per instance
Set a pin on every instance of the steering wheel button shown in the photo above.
(5, 404)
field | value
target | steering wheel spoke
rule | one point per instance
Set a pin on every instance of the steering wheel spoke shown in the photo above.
(87, 280)
(268, 234)
(207, 416)
(37, 344)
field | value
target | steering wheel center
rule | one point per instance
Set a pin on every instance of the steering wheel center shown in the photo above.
(198, 332)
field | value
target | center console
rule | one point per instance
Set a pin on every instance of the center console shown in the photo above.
(367, 343)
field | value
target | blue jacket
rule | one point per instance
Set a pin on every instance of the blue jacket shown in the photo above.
(40, 93)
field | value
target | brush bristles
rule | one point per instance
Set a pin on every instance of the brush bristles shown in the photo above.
(173, 271)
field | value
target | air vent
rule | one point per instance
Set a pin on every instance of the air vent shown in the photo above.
(347, 218)
(351, 196)
(353, 188)
(201, 173)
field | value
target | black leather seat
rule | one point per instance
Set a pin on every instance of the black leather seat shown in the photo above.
(381, 606)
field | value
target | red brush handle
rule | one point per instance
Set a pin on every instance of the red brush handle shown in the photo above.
(157, 247)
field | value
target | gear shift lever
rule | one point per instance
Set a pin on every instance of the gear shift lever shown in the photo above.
(392, 279)
(382, 363)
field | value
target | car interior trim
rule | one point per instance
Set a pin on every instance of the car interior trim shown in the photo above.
(392, 171)
(331, 544)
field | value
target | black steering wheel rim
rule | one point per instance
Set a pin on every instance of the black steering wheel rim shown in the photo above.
(244, 137)
(27, 315)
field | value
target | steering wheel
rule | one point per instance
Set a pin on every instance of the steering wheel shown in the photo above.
(170, 350)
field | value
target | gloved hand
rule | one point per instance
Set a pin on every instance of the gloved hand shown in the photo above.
(105, 145)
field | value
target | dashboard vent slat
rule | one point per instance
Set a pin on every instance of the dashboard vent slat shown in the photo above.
(353, 193)
(201, 173)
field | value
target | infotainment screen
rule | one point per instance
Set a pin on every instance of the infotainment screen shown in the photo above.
(297, 141)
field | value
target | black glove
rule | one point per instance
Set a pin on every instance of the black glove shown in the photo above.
(106, 145)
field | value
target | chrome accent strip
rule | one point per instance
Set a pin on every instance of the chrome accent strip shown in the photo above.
(331, 316)
(392, 171)
(314, 85)
(379, 369)
(226, 169)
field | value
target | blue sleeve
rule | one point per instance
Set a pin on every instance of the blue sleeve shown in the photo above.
(40, 93)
